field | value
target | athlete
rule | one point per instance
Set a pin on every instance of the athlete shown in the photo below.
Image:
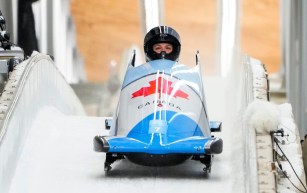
(162, 42)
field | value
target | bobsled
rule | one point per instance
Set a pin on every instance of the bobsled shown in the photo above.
(161, 118)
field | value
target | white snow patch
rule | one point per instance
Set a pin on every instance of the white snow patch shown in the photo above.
(262, 116)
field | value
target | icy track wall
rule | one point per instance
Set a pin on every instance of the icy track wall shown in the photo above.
(33, 84)
(260, 145)
(251, 176)
(256, 81)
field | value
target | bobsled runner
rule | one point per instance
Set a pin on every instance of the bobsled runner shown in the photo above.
(161, 118)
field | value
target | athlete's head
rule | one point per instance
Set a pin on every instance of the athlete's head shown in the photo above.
(162, 42)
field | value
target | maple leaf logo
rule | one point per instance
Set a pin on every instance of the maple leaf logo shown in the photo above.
(161, 86)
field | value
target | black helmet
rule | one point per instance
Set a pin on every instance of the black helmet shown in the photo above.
(162, 34)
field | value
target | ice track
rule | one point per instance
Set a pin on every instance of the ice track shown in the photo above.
(56, 151)
(59, 158)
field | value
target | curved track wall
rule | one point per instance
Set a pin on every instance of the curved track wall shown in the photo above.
(33, 84)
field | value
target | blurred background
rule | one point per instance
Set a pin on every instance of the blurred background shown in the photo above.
(107, 28)
(103, 32)
(91, 41)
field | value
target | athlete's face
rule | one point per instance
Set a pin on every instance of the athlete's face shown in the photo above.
(159, 47)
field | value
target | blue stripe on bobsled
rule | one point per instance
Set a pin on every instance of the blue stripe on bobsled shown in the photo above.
(191, 145)
(179, 135)
(179, 126)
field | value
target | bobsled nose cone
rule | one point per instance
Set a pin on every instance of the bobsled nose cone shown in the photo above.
(101, 144)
